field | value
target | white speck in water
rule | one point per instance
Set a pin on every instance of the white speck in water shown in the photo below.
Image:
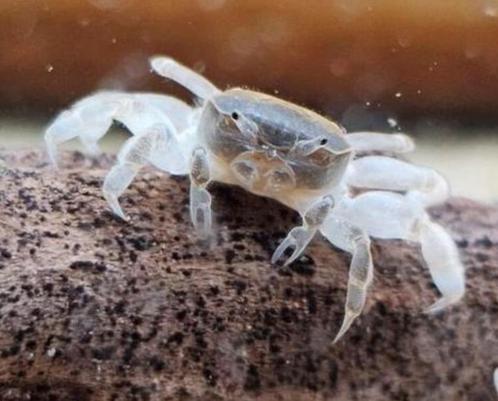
(51, 352)
(49, 67)
(398, 94)
(114, 41)
(404, 40)
(419, 92)
(367, 103)
(392, 122)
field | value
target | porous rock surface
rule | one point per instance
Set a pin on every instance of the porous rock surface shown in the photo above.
(93, 308)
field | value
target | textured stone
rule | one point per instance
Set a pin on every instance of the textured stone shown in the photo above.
(93, 308)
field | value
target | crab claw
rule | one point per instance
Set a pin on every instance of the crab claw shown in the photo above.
(298, 238)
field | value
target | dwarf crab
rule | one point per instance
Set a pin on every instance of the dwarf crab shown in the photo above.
(276, 149)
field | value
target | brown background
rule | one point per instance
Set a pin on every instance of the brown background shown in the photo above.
(440, 56)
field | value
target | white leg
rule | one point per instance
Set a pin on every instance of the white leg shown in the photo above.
(184, 76)
(90, 118)
(200, 199)
(136, 152)
(62, 129)
(441, 255)
(389, 215)
(380, 172)
(177, 111)
(374, 141)
(299, 237)
(355, 241)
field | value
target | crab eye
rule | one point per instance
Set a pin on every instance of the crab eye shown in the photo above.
(235, 115)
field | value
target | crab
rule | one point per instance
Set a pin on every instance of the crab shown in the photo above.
(276, 149)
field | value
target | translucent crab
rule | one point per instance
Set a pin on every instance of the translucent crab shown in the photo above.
(279, 150)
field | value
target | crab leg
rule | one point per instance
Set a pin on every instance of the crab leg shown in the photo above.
(186, 77)
(136, 152)
(380, 172)
(360, 277)
(374, 141)
(200, 199)
(441, 255)
(299, 237)
(393, 216)
(91, 117)
(355, 241)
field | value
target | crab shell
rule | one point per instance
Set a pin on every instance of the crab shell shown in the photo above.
(265, 162)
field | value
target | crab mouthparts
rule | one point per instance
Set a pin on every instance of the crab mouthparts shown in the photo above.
(263, 172)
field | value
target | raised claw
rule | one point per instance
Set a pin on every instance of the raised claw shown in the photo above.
(186, 77)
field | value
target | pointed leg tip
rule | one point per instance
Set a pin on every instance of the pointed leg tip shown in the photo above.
(53, 165)
(440, 305)
(338, 336)
(121, 215)
(115, 207)
(291, 259)
(52, 159)
(204, 235)
(346, 324)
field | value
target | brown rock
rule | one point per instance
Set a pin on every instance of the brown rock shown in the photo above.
(92, 308)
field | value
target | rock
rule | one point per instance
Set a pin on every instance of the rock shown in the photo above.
(94, 308)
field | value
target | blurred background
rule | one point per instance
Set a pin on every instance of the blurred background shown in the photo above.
(425, 67)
